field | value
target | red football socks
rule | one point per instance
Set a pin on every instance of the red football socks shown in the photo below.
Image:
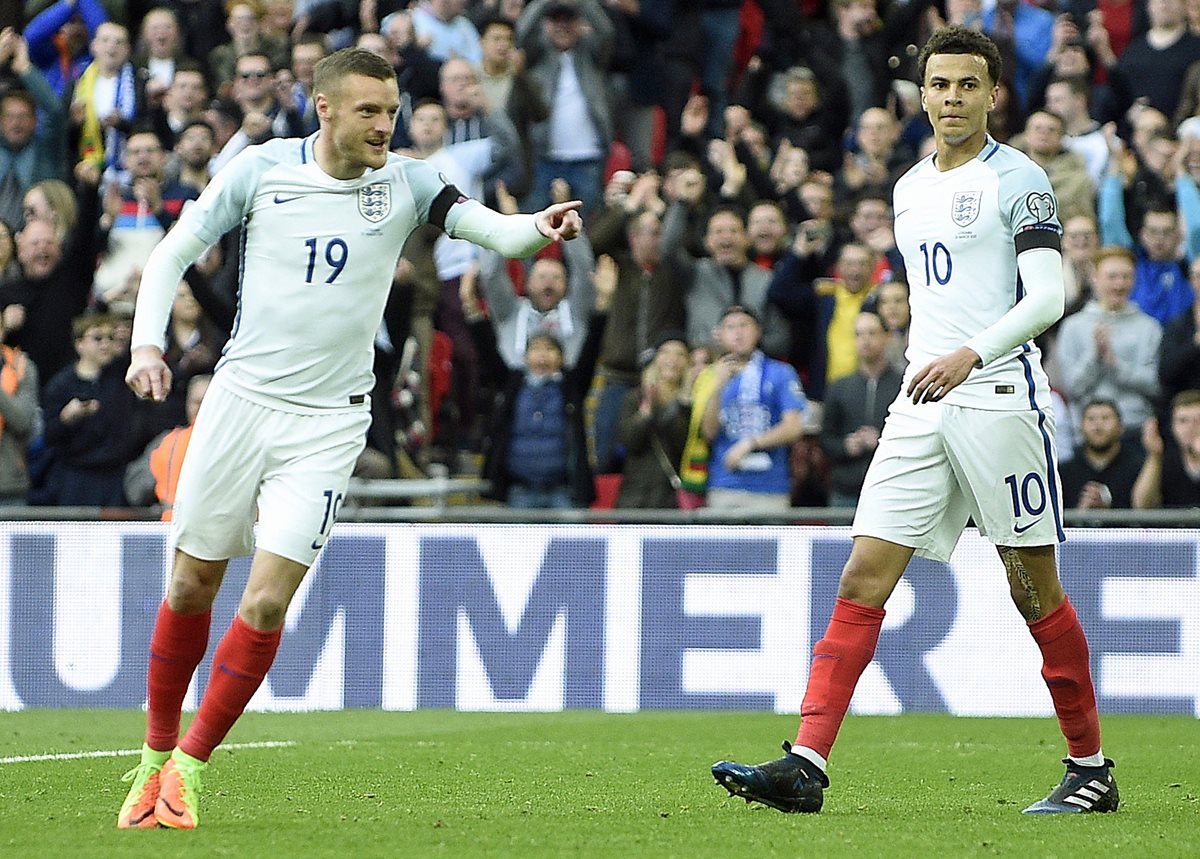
(241, 662)
(1068, 676)
(839, 659)
(176, 648)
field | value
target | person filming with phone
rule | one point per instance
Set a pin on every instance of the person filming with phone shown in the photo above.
(751, 420)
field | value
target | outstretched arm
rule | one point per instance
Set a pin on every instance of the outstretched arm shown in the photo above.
(513, 235)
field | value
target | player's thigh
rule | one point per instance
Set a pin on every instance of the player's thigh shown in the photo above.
(213, 515)
(911, 496)
(304, 486)
(1006, 463)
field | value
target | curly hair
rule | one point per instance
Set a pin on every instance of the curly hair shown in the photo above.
(961, 40)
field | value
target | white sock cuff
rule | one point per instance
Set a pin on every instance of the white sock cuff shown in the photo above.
(811, 756)
(1096, 760)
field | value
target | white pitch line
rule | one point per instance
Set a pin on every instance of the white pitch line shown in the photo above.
(124, 753)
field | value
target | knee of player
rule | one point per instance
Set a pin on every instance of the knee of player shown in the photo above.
(263, 609)
(863, 585)
(190, 594)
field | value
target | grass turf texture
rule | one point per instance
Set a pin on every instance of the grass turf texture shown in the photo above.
(368, 783)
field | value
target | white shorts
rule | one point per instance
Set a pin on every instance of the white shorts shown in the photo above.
(938, 465)
(243, 458)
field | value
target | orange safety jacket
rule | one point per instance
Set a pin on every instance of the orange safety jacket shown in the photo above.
(12, 374)
(165, 462)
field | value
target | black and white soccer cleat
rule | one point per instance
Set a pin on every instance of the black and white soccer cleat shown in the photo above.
(1082, 789)
(791, 783)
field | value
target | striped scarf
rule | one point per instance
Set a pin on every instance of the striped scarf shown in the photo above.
(103, 146)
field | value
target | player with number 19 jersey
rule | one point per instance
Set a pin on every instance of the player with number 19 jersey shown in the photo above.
(318, 257)
(960, 232)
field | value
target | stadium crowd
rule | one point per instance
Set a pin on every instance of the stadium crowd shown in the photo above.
(734, 317)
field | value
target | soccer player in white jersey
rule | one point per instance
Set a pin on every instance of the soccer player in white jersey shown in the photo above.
(286, 416)
(971, 434)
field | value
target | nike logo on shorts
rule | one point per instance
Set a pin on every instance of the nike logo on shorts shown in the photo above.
(279, 199)
(1019, 529)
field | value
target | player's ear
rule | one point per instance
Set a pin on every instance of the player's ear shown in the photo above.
(995, 95)
(322, 105)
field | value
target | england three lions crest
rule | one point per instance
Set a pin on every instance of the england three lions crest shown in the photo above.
(375, 201)
(964, 208)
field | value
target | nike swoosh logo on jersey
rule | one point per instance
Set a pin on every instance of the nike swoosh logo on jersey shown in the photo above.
(279, 199)
(1018, 529)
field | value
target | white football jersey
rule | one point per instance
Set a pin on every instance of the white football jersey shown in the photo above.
(959, 232)
(318, 257)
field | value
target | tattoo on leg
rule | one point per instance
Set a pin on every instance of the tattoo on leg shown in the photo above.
(1028, 603)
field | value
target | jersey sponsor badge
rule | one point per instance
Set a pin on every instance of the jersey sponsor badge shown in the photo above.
(375, 201)
(1040, 205)
(964, 208)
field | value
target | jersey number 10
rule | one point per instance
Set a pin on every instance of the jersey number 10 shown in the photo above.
(938, 265)
(336, 254)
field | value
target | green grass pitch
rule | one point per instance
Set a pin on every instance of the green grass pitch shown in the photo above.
(368, 783)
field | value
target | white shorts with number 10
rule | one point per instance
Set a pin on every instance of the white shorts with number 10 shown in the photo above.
(938, 464)
(244, 459)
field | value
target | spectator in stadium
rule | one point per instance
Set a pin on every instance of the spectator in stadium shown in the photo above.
(1042, 140)
(508, 87)
(1081, 241)
(1179, 360)
(1104, 469)
(871, 226)
(55, 282)
(306, 53)
(1067, 98)
(1109, 349)
(860, 44)
(1170, 476)
(182, 103)
(725, 277)
(1154, 64)
(638, 82)
(469, 120)
(568, 46)
(855, 408)
(892, 306)
(289, 355)
(92, 422)
(558, 299)
(877, 159)
(107, 98)
(242, 23)
(153, 477)
(751, 419)
(30, 150)
(448, 33)
(767, 231)
(158, 51)
(649, 301)
(416, 70)
(824, 308)
(139, 208)
(653, 426)
(194, 149)
(1160, 286)
(18, 420)
(10, 271)
(536, 452)
(59, 37)
(269, 110)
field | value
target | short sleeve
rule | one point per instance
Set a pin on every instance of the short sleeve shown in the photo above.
(1032, 208)
(791, 393)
